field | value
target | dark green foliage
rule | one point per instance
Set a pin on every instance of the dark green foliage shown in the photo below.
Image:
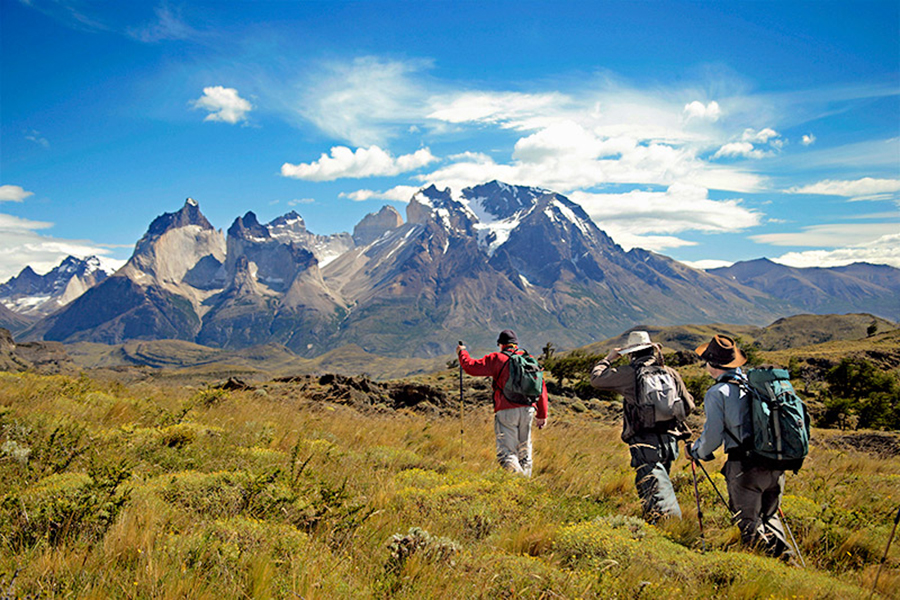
(697, 385)
(752, 350)
(575, 366)
(856, 385)
(681, 358)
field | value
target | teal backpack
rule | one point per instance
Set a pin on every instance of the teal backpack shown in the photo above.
(776, 430)
(526, 378)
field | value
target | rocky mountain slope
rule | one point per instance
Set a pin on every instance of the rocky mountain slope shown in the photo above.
(860, 286)
(465, 264)
(30, 294)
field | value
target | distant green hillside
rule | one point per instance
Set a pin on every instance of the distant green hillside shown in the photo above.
(789, 332)
(806, 330)
(194, 360)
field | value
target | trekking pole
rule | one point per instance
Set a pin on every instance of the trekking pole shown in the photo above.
(884, 558)
(461, 451)
(699, 512)
(719, 494)
(791, 533)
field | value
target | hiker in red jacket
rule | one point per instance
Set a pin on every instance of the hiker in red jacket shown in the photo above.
(512, 422)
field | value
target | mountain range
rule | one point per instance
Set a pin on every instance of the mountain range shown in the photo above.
(32, 295)
(463, 265)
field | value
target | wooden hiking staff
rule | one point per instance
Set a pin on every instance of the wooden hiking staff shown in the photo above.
(461, 446)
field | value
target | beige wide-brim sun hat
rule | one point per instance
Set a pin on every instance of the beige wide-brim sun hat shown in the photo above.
(637, 340)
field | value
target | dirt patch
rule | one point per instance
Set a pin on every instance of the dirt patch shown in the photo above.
(882, 445)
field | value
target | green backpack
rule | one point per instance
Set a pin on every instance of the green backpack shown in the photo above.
(526, 378)
(776, 430)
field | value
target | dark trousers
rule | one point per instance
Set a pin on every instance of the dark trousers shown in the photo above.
(652, 455)
(754, 494)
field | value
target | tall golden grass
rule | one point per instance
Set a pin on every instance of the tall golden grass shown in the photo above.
(269, 494)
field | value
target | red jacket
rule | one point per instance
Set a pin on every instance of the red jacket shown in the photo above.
(492, 366)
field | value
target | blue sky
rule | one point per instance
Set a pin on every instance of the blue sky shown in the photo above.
(711, 132)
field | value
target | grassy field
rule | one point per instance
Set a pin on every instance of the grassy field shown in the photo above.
(306, 489)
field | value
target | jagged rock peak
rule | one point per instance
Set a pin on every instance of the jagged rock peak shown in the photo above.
(188, 215)
(431, 205)
(28, 283)
(374, 225)
(288, 228)
(502, 200)
(248, 227)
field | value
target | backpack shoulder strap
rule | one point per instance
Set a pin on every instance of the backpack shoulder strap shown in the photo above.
(495, 383)
(744, 385)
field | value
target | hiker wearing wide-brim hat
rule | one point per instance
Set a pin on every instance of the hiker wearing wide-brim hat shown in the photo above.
(754, 491)
(722, 352)
(651, 432)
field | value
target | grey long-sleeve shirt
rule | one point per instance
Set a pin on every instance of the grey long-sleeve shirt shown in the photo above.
(724, 407)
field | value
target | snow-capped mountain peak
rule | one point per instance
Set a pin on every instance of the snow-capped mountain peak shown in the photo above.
(31, 294)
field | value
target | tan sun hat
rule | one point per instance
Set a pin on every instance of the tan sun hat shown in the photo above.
(721, 351)
(637, 340)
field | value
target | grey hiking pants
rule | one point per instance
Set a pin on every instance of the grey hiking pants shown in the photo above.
(754, 494)
(513, 429)
(652, 455)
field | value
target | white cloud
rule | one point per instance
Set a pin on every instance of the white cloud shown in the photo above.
(707, 264)
(367, 101)
(697, 110)
(884, 250)
(571, 141)
(224, 104)
(566, 157)
(763, 136)
(656, 243)
(738, 149)
(36, 137)
(808, 139)
(865, 188)
(168, 26)
(680, 208)
(364, 162)
(831, 235)
(507, 109)
(299, 201)
(400, 193)
(13, 193)
(11, 225)
(21, 246)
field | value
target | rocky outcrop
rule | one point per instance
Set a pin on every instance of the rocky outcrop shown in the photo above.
(48, 358)
(375, 225)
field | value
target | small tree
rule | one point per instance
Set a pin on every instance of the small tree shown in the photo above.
(872, 329)
(547, 352)
(751, 349)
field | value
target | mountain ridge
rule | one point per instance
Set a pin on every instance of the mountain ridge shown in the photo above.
(466, 263)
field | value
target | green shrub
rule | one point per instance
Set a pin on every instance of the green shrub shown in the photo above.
(64, 506)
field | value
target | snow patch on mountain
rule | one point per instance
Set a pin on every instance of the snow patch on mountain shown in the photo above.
(31, 294)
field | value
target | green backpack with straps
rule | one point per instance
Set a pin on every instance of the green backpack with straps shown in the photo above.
(526, 378)
(776, 429)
